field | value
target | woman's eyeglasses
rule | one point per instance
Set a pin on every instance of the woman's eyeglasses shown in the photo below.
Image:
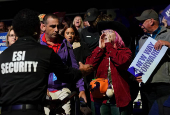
(12, 35)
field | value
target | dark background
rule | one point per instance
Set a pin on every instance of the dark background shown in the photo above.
(127, 9)
(8, 8)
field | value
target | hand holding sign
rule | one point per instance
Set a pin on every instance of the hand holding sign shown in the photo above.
(147, 59)
(164, 21)
(158, 45)
(139, 79)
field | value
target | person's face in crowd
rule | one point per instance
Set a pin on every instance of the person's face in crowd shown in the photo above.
(12, 38)
(146, 25)
(77, 21)
(2, 27)
(109, 35)
(51, 28)
(69, 34)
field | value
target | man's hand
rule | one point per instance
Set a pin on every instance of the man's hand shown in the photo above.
(83, 95)
(158, 45)
(164, 21)
(139, 79)
(85, 68)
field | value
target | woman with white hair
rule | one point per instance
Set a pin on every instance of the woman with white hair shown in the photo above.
(78, 23)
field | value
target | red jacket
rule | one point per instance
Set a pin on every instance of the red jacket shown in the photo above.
(120, 60)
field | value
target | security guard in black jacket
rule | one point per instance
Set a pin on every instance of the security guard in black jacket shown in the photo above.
(25, 67)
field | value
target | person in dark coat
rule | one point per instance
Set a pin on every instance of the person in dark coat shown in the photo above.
(25, 67)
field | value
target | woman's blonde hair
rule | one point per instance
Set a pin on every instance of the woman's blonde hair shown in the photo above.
(81, 25)
(10, 29)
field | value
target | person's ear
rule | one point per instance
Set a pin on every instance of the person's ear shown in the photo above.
(43, 27)
(151, 22)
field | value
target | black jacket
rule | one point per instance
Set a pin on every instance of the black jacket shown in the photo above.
(25, 67)
(90, 36)
(82, 52)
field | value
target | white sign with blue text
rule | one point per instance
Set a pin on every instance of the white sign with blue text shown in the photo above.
(3, 41)
(146, 60)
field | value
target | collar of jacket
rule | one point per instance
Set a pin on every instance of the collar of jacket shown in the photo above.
(163, 29)
(27, 38)
(64, 42)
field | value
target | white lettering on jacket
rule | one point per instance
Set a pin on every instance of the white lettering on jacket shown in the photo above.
(19, 64)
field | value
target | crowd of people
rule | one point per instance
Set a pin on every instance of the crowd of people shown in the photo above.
(52, 57)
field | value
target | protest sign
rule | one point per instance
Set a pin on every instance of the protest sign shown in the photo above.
(166, 13)
(146, 60)
(3, 41)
